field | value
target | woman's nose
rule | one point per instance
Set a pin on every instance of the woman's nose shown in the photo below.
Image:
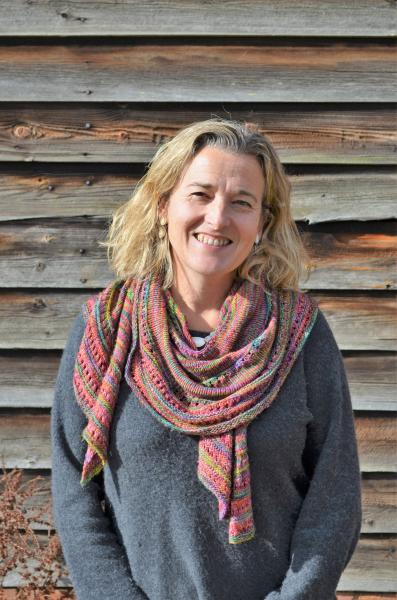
(217, 213)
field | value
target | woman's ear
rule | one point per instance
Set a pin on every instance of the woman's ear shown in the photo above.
(162, 207)
(262, 222)
(265, 218)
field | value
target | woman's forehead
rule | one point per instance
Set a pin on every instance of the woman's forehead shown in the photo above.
(214, 166)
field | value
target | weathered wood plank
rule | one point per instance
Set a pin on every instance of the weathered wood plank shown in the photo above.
(376, 437)
(343, 197)
(351, 260)
(369, 18)
(323, 71)
(360, 322)
(33, 255)
(315, 198)
(27, 379)
(125, 134)
(41, 320)
(363, 596)
(378, 501)
(379, 504)
(372, 380)
(25, 441)
(371, 569)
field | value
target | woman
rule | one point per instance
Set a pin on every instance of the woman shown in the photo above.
(201, 396)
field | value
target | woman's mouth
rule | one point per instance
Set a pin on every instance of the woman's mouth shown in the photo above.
(212, 241)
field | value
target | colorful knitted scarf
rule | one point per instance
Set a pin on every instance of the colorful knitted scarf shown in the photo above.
(135, 329)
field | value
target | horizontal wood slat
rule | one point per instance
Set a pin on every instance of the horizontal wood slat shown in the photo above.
(376, 436)
(35, 320)
(379, 504)
(363, 596)
(372, 381)
(175, 18)
(34, 255)
(125, 134)
(378, 501)
(315, 198)
(351, 261)
(25, 441)
(372, 567)
(136, 72)
(27, 379)
(360, 322)
(343, 197)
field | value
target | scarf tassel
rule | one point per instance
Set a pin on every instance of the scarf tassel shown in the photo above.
(227, 481)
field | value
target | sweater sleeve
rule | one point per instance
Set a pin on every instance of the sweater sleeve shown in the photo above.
(329, 523)
(95, 558)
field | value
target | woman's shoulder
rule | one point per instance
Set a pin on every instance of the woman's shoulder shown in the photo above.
(321, 347)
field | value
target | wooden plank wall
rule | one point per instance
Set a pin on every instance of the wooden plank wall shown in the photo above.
(89, 89)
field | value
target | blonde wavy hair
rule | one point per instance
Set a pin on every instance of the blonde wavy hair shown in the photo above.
(134, 247)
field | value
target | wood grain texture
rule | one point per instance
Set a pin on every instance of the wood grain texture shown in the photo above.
(322, 71)
(359, 321)
(372, 567)
(344, 196)
(363, 596)
(378, 501)
(121, 133)
(379, 504)
(376, 437)
(372, 380)
(34, 254)
(370, 18)
(25, 441)
(42, 319)
(351, 260)
(319, 198)
(27, 379)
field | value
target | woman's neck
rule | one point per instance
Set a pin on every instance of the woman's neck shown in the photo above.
(200, 302)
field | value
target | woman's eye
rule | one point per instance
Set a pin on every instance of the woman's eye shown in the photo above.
(200, 194)
(243, 202)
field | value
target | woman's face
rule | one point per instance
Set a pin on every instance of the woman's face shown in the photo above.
(214, 213)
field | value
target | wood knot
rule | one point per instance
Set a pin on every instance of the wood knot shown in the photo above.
(40, 267)
(38, 303)
(23, 131)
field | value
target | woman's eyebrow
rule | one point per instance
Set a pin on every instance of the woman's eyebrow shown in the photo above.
(209, 185)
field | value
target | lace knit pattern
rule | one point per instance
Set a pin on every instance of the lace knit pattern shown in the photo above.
(134, 329)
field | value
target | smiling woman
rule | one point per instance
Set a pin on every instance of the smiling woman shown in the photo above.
(203, 434)
(212, 232)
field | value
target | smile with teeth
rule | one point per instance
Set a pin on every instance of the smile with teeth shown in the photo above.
(211, 241)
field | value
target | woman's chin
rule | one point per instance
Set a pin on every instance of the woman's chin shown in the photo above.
(212, 271)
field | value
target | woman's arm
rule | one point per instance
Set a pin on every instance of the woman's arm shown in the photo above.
(96, 560)
(329, 522)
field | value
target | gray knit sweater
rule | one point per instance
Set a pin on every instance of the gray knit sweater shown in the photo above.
(147, 528)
